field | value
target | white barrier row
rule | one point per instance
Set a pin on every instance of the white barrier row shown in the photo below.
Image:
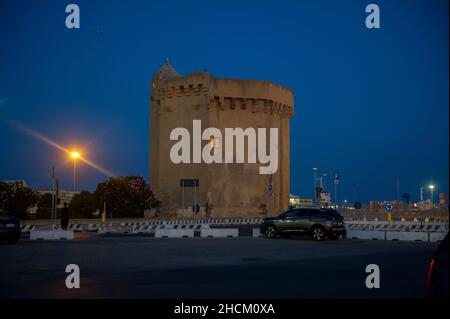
(26, 228)
(364, 234)
(152, 228)
(174, 233)
(113, 229)
(396, 235)
(219, 232)
(436, 236)
(214, 221)
(398, 226)
(256, 232)
(408, 236)
(51, 234)
(75, 227)
(350, 224)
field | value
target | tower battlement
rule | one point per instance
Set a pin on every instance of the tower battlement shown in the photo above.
(225, 94)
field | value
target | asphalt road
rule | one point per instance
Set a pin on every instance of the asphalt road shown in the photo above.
(144, 267)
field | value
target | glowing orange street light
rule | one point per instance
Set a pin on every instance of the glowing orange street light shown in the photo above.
(75, 156)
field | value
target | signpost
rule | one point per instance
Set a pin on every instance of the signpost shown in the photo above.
(389, 208)
(336, 182)
(270, 192)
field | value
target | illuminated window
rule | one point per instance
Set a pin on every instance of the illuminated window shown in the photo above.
(214, 141)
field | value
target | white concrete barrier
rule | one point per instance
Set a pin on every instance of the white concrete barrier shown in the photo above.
(174, 233)
(219, 232)
(436, 236)
(56, 234)
(408, 236)
(256, 232)
(25, 228)
(111, 229)
(365, 234)
(76, 227)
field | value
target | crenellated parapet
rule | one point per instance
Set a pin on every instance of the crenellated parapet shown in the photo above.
(201, 90)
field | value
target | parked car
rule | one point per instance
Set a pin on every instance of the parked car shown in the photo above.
(319, 223)
(9, 227)
(437, 279)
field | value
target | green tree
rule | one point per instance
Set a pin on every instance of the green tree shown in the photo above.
(44, 206)
(82, 205)
(16, 199)
(126, 196)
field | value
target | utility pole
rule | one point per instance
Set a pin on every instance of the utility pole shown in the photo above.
(74, 175)
(53, 200)
(398, 190)
(335, 195)
(182, 194)
(315, 185)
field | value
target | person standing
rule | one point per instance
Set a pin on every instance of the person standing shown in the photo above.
(65, 217)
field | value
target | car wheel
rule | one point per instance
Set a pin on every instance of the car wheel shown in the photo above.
(318, 234)
(270, 232)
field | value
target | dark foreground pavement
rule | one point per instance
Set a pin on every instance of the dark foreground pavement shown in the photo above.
(143, 267)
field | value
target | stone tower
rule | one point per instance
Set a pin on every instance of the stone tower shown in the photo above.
(231, 189)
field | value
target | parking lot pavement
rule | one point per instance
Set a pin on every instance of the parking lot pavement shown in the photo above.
(144, 267)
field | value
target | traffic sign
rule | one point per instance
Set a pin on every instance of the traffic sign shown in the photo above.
(389, 206)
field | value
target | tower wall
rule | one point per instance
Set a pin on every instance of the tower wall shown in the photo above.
(233, 189)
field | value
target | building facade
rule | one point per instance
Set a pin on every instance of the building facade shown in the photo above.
(228, 189)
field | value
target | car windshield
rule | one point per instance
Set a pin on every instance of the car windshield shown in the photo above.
(288, 213)
(329, 211)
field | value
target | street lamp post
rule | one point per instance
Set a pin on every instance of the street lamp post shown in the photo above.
(323, 183)
(431, 187)
(75, 156)
(315, 185)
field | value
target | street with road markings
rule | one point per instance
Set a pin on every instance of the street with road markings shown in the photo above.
(140, 266)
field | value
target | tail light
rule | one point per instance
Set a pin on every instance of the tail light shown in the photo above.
(430, 276)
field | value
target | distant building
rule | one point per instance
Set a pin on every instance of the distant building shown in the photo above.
(295, 200)
(18, 183)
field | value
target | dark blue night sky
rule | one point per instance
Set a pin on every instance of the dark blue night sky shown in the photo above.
(371, 104)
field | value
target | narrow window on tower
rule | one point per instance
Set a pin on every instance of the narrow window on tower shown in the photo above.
(214, 142)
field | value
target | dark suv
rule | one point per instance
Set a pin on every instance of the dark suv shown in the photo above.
(316, 222)
(9, 227)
